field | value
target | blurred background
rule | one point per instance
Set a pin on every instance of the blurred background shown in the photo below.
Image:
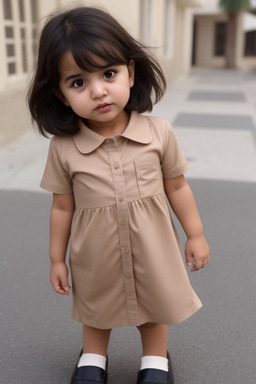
(207, 49)
(188, 33)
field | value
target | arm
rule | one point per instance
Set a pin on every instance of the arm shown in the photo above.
(184, 206)
(60, 224)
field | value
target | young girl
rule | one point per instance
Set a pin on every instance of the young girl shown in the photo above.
(110, 169)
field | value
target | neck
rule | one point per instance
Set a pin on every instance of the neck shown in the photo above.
(110, 128)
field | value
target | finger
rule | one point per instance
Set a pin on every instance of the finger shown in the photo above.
(198, 265)
(62, 289)
(194, 268)
(65, 287)
(65, 284)
(205, 260)
(189, 259)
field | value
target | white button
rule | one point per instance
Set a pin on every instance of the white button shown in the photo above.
(116, 165)
(125, 250)
(120, 198)
(110, 141)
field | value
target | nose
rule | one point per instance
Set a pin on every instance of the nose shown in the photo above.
(98, 89)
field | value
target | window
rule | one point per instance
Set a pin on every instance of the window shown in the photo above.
(220, 39)
(33, 6)
(10, 49)
(250, 44)
(21, 10)
(18, 23)
(9, 32)
(34, 18)
(11, 68)
(24, 50)
(169, 28)
(7, 5)
(146, 21)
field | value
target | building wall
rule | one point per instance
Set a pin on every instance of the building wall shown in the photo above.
(205, 40)
(126, 12)
(164, 24)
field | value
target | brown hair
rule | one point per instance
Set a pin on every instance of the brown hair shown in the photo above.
(87, 32)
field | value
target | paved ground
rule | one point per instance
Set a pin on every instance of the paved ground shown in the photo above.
(214, 114)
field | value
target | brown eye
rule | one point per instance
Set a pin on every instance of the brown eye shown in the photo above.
(78, 83)
(109, 74)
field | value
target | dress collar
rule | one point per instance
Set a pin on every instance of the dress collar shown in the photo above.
(137, 130)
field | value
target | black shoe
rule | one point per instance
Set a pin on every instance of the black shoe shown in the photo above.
(156, 376)
(90, 375)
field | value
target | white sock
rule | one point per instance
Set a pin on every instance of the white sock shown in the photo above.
(154, 362)
(92, 359)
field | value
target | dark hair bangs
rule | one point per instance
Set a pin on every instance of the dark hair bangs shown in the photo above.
(91, 52)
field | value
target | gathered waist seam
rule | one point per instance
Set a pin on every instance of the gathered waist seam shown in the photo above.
(114, 205)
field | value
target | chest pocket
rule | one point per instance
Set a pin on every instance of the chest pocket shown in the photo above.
(149, 177)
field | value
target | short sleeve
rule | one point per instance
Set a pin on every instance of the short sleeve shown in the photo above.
(55, 177)
(174, 163)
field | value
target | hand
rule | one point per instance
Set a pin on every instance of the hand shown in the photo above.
(59, 278)
(197, 249)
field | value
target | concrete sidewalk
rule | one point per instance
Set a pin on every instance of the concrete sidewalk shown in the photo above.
(214, 115)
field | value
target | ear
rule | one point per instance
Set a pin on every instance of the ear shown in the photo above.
(61, 97)
(131, 70)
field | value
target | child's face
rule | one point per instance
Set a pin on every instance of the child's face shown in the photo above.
(98, 97)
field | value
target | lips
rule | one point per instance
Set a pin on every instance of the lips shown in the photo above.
(103, 107)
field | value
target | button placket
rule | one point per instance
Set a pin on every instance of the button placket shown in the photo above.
(123, 229)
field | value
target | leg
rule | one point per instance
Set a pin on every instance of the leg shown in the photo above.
(95, 340)
(154, 339)
(155, 364)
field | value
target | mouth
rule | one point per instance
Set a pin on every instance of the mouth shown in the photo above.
(103, 107)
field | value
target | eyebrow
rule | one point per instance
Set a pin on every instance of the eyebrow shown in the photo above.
(72, 77)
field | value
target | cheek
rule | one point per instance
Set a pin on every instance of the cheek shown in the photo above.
(81, 106)
(78, 101)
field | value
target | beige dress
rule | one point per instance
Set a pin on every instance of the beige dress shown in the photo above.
(125, 261)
